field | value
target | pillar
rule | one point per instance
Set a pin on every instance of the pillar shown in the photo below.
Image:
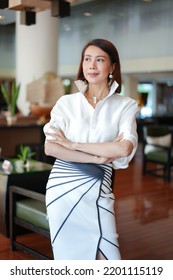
(130, 84)
(36, 52)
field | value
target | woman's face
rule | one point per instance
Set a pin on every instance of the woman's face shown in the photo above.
(96, 65)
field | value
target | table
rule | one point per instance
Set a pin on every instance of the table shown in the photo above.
(34, 178)
(20, 133)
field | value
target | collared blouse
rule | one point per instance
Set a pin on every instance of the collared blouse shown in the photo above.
(80, 122)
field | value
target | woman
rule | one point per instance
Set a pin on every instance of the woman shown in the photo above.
(90, 133)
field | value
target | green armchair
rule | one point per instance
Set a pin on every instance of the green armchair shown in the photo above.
(157, 151)
(27, 213)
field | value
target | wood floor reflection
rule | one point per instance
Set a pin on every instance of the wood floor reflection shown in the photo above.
(144, 214)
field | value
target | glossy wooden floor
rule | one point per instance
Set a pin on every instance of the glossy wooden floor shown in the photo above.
(144, 214)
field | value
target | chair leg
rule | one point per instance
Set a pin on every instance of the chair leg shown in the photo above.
(168, 177)
(12, 240)
(12, 224)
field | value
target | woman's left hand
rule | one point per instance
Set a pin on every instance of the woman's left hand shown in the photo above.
(59, 138)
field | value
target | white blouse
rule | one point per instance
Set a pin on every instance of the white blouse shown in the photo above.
(80, 122)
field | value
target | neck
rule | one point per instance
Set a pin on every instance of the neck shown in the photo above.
(97, 94)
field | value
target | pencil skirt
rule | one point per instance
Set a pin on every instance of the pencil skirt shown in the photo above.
(80, 209)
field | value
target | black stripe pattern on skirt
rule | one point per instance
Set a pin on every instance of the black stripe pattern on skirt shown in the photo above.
(80, 208)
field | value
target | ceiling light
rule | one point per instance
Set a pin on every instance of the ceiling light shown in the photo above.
(147, 1)
(67, 27)
(1, 17)
(121, 14)
(87, 14)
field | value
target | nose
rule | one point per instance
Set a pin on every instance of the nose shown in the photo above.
(92, 65)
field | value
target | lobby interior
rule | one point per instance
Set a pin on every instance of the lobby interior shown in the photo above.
(48, 51)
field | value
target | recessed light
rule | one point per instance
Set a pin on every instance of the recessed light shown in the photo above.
(67, 27)
(1, 17)
(147, 1)
(87, 14)
(121, 14)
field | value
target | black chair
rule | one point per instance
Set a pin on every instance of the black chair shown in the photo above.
(157, 151)
(28, 213)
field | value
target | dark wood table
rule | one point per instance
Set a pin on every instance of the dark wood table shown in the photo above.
(34, 178)
(20, 133)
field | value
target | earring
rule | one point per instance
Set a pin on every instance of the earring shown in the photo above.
(110, 76)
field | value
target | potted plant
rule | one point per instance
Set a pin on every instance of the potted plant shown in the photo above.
(11, 101)
(25, 154)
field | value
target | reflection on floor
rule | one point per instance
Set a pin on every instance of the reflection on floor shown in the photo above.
(144, 213)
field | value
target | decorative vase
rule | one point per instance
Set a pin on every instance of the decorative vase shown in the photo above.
(11, 119)
(19, 165)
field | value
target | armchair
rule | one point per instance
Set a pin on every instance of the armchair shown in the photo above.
(157, 151)
(27, 212)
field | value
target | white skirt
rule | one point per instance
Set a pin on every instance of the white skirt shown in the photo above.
(80, 208)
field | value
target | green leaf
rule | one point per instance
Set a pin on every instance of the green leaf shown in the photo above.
(25, 153)
(5, 94)
(11, 100)
(14, 96)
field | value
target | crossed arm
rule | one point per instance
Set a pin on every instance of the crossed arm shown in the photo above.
(62, 148)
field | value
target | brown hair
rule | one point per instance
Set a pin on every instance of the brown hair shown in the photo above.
(111, 50)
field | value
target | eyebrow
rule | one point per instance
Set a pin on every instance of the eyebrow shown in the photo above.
(96, 55)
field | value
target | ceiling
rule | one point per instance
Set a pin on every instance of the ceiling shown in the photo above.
(8, 16)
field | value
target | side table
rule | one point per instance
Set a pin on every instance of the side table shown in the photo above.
(35, 177)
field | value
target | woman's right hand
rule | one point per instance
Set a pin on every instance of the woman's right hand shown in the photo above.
(102, 160)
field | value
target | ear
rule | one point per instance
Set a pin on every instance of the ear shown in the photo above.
(112, 68)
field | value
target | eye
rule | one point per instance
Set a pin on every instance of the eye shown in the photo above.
(87, 59)
(100, 60)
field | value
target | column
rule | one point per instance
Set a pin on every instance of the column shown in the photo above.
(36, 52)
(130, 84)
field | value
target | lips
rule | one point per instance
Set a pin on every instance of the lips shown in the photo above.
(92, 74)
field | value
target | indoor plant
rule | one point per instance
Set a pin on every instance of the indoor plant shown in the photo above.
(23, 157)
(11, 100)
(25, 153)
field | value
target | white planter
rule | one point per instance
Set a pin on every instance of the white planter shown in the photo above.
(19, 165)
(11, 119)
